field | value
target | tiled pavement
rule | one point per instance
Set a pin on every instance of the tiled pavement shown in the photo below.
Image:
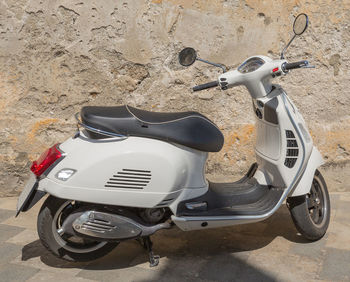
(266, 251)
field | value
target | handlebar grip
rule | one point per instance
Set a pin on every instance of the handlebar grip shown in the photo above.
(205, 86)
(296, 65)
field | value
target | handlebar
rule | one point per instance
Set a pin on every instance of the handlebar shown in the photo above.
(285, 68)
(295, 65)
(205, 86)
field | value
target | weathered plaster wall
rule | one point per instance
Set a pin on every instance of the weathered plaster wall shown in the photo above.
(56, 56)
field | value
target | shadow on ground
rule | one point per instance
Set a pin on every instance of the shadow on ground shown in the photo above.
(212, 254)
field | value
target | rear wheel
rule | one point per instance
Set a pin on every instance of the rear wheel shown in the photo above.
(311, 212)
(73, 248)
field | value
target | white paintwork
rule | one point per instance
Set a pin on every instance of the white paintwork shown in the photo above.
(257, 82)
(305, 182)
(178, 171)
(268, 141)
(173, 168)
(271, 148)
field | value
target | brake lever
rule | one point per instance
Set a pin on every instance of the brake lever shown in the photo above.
(308, 67)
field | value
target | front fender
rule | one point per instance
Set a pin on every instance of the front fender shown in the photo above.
(304, 185)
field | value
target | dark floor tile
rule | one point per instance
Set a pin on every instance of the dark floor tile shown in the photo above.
(342, 212)
(14, 272)
(336, 266)
(5, 214)
(8, 252)
(125, 274)
(7, 231)
(231, 268)
(312, 250)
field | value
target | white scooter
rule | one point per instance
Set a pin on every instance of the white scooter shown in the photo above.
(129, 173)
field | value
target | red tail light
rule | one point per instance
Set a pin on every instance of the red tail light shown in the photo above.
(46, 160)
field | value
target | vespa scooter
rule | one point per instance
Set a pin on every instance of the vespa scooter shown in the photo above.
(129, 173)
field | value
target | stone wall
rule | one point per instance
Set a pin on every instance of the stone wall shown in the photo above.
(57, 56)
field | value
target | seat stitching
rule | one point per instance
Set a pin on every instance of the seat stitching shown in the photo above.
(127, 107)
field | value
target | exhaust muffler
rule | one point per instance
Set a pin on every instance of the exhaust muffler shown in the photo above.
(106, 226)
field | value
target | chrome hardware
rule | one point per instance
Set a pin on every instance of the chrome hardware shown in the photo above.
(108, 226)
(224, 69)
(308, 67)
(99, 131)
(202, 206)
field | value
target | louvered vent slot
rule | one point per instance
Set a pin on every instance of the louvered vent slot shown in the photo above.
(289, 134)
(292, 143)
(292, 149)
(289, 162)
(130, 179)
(292, 152)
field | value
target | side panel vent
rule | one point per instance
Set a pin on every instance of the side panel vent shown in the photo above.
(292, 149)
(130, 179)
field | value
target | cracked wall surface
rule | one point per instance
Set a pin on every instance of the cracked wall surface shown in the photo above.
(57, 56)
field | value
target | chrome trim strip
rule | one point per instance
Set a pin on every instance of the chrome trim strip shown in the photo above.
(254, 218)
(99, 131)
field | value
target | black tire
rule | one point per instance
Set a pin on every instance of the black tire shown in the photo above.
(86, 250)
(311, 212)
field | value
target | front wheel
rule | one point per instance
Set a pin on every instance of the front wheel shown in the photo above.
(72, 248)
(311, 212)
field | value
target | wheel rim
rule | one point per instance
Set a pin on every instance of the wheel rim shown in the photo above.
(317, 203)
(73, 244)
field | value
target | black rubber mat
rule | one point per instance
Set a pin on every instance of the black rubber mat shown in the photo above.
(244, 197)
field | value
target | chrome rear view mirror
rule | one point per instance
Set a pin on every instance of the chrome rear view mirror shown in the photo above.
(300, 24)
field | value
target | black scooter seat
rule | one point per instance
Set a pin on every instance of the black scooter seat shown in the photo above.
(190, 129)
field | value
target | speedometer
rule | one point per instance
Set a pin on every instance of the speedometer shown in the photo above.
(251, 65)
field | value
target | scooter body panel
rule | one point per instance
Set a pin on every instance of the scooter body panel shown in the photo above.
(138, 172)
(283, 144)
(305, 182)
(284, 155)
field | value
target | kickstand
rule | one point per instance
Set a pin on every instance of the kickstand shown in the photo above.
(153, 259)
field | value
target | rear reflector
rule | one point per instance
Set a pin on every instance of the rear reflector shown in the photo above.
(46, 160)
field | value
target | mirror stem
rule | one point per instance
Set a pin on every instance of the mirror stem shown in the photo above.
(214, 64)
(285, 48)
